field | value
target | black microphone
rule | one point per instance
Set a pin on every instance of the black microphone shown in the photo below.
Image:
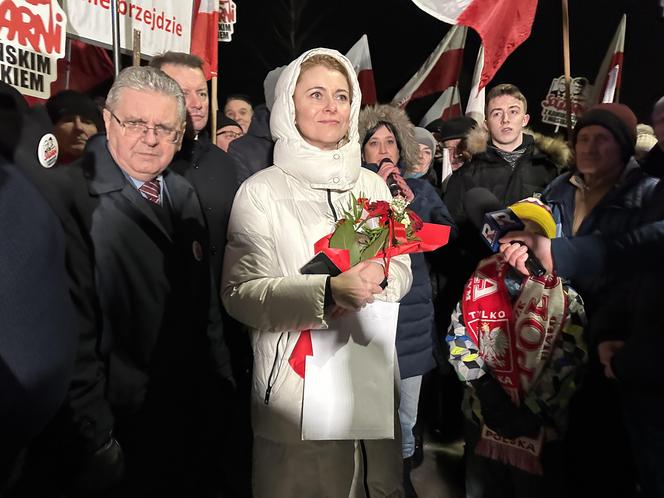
(391, 181)
(486, 213)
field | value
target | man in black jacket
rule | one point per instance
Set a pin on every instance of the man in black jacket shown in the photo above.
(513, 166)
(213, 174)
(209, 169)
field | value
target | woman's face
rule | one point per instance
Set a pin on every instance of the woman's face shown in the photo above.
(424, 161)
(382, 144)
(239, 111)
(72, 133)
(322, 107)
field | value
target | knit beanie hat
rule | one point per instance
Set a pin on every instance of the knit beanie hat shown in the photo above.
(424, 137)
(70, 103)
(618, 119)
(223, 121)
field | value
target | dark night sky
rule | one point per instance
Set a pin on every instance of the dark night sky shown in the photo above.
(401, 37)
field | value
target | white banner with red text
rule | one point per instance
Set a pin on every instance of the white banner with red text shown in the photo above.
(164, 25)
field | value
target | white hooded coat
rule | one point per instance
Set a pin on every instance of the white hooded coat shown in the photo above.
(277, 216)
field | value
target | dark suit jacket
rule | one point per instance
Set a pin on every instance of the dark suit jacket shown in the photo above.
(212, 173)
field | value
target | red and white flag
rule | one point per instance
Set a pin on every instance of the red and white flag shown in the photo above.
(204, 35)
(447, 106)
(439, 72)
(503, 25)
(476, 104)
(607, 82)
(360, 57)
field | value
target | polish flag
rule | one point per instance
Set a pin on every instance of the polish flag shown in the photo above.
(611, 85)
(439, 72)
(204, 35)
(446, 107)
(611, 68)
(476, 99)
(360, 57)
(503, 25)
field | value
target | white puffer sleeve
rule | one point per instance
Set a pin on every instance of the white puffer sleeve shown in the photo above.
(254, 289)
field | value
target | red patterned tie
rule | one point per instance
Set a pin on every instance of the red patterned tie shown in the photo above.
(151, 190)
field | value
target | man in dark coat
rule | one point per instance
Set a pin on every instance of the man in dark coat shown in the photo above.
(146, 363)
(209, 169)
(512, 167)
(213, 174)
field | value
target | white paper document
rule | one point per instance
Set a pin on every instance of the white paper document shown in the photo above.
(349, 381)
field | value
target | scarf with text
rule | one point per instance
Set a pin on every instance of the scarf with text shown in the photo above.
(515, 339)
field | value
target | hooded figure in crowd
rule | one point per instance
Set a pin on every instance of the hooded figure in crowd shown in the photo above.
(278, 215)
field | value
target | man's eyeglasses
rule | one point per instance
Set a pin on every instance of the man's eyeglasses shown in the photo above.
(140, 129)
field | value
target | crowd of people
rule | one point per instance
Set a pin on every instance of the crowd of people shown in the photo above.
(154, 297)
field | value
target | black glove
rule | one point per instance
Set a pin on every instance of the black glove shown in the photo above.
(100, 471)
(501, 414)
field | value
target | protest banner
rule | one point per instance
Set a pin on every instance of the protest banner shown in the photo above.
(227, 20)
(32, 39)
(554, 107)
(163, 25)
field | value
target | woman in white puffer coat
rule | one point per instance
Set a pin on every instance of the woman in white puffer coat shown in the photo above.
(278, 214)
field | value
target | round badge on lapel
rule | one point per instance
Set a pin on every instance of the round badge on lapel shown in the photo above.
(47, 150)
(197, 249)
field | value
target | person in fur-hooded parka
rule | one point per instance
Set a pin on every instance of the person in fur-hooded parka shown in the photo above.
(380, 126)
(374, 116)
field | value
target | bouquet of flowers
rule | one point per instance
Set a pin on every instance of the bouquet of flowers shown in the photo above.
(379, 229)
(368, 230)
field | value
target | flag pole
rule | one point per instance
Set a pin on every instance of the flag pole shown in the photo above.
(136, 48)
(567, 64)
(115, 28)
(68, 59)
(215, 108)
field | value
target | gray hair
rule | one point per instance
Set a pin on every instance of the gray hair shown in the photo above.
(144, 78)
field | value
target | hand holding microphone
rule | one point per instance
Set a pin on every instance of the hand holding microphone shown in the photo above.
(392, 176)
(502, 230)
(517, 247)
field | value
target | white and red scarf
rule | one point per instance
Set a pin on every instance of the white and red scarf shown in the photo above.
(515, 338)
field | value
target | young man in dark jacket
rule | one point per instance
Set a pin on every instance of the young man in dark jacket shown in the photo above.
(511, 163)
(514, 164)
